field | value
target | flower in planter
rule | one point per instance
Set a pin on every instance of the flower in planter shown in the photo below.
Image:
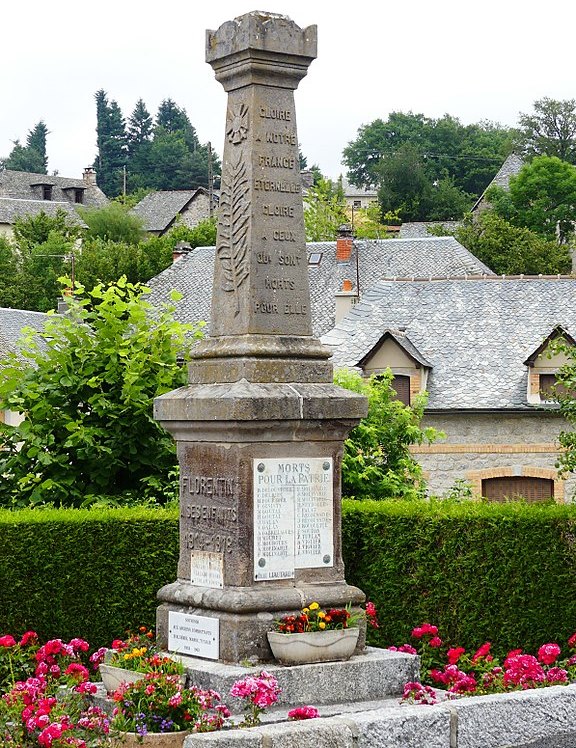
(258, 693)
(416, 693)
(138, 652)
(160, 704)
(17, 658)
(314, 618)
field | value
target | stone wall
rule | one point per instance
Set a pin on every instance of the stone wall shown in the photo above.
(479, 446)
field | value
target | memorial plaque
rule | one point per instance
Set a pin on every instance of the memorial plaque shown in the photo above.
(293, 516)
(207, 569)
(195, 636)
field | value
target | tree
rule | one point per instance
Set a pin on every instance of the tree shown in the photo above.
(86, 394)
(139, 138)
(377, 463)
(509, 249)
(111, 143)
(410, 156)
(550, 130)
(541, 197)
(113, 223)
(31, 157)
(324, 211)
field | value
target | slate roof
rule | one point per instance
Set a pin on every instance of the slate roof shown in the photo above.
(20, 184)
(159, 209)
(476, 333)
(11, 323)
(12, 208)
(509, 168)
(385, 258)
(419, 229)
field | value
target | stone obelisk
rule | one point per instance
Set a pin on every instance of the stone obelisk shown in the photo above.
(260, 426)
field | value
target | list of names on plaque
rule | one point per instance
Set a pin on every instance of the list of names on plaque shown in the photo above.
(293, 516)
(207, 569)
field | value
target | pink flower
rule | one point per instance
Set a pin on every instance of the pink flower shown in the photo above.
(548, 653)
(78, 671)
(7, 641)
(435, 642)
(79, 645)
(454, 654)
(557, 675)
(303, 712)
(572, 641)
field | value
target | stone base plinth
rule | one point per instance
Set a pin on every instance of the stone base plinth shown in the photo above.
(374, 675)
(245, 615)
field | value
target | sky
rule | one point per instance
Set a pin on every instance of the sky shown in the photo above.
(474, 61)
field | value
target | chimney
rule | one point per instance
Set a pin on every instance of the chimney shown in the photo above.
(345, 300)
(181, 249)
(89, 177)
(344, 243)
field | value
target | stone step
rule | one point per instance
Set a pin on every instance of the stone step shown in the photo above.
(372, 676)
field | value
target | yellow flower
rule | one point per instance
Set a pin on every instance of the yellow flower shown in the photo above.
(305, 610)
(321, 614)
(314, 606)
(321, 625)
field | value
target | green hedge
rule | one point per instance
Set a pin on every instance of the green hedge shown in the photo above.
(504, 573)
(501, 573)
(89, 573)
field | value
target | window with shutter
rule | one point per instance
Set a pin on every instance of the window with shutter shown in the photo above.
(401, 385)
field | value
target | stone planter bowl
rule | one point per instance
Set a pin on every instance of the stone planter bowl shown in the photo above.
(313, 646)
(112, 676)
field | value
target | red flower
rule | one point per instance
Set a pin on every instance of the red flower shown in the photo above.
(572, 641)
(455, 654)
(435, 642)
(483, 651)
(7, 641)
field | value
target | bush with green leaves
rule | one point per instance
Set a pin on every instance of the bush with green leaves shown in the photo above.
(377, 461)
(85, 386)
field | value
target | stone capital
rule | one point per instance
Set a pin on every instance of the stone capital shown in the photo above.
(260, 48)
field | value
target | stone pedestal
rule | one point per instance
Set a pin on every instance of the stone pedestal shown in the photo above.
(260, 427)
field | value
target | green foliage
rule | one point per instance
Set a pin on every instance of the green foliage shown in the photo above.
(377, 462)
(104, 261)
(113, 223)
(542, 197)
(29, 231)
(86, 389)
(479, 571)
(496, 572)
(31, 157)
(324, 211)
(550, 130)
(511, 250)
(366, 223)
(566, 377)
(85, 573)
(112, 145)
(409, 154)
(201, 235)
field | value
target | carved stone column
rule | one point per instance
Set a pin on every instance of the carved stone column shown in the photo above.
(260, 426)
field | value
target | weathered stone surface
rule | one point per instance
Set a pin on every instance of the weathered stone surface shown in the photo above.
(402, 727)
(377, 674)
(256, 545)
(516, 719)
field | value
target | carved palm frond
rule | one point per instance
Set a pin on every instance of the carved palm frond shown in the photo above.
(232, 249)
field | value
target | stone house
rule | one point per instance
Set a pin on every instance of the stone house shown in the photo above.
(338, 272)
(28, 194)
(481, 348)
(161, 211)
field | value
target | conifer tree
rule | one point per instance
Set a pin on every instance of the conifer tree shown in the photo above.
(111, 143)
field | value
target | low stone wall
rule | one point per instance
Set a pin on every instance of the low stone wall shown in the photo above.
(539, 718)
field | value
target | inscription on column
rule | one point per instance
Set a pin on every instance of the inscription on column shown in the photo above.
(293, 516)
(208, 512)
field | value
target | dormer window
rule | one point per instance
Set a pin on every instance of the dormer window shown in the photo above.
(543, 365)
(79, 195)
(46, 192)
